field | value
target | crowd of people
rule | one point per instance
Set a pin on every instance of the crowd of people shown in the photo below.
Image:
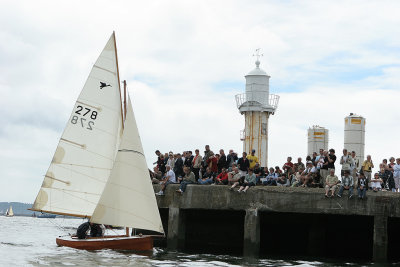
(245, 172)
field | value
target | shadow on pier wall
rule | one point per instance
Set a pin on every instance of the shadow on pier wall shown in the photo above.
(214, 231)
(393, 239)
(316, 235)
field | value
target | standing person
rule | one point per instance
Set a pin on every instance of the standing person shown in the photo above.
(243, 164)
(323, 171)
(362, 186)
(171, 161)
(331, 182)
(231, 158)
(189, 178)
(222, 163)
(347, 183)
(212, 162)
(252, 159)
(169, 178)
(346, 161)
(367, 168)
(178, 165)
(196, 163)
(354, 167)
(331, 158)
(161, 164)
(207, 153)
(396, 174)
(188, 159)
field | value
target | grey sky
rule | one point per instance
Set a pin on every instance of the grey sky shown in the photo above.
(184, 62)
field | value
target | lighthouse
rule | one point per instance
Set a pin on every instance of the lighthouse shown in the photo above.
(256, 104)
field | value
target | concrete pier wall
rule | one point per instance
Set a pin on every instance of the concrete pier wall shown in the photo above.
(274, 220)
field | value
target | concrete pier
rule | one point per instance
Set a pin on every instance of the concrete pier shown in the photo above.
(269, 220)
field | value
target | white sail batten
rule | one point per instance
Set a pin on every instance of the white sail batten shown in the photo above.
(85, 154)
(128, 198)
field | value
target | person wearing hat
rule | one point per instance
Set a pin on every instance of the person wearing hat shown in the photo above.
(347, 184)
(252, 159)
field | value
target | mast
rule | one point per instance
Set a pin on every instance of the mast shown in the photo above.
(119, 87)
(124, 98)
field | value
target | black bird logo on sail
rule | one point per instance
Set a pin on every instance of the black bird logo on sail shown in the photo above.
(102, 85)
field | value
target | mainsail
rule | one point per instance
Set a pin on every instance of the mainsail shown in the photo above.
(86, 151)
(128, 197)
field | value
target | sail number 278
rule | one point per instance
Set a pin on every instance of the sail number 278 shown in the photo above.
(86, 113)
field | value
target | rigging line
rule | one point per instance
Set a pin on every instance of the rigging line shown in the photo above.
(131, 150)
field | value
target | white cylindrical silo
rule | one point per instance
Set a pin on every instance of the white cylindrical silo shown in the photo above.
(354, 135)
(318, 138)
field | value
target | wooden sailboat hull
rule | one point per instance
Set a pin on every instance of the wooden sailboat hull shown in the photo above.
(137, 243)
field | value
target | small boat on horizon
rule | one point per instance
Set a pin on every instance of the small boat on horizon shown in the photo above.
(99, 170)
(10, 212)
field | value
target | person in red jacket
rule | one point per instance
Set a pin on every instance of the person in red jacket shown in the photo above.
(222, 178)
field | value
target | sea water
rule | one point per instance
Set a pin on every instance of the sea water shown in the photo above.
(28, 241)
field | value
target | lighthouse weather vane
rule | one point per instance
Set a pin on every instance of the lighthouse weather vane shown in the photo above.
(257, 54)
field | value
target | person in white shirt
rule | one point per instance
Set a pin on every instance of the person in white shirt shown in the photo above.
(396, 174)
(169, 178)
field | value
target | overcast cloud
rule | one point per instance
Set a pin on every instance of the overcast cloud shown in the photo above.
(184, 62)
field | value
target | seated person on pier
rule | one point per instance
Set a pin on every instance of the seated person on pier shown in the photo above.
(308, 174)
(207, 177)
(271, 178)
(249, 180)
(296, 177)
(222, 178)
(376, 182)
(169, 178)
(156, 175)
(259, 172)
(283, 180)
(331, 182)
(362, 186)
(189, 178)
(347, 183)
(233, 176)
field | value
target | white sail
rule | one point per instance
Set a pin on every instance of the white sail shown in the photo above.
(10, 212)
(128, 198)
(85, 154)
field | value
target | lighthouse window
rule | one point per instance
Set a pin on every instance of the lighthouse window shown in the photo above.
(263, 128)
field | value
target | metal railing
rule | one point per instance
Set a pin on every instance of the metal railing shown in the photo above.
(257, 98)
